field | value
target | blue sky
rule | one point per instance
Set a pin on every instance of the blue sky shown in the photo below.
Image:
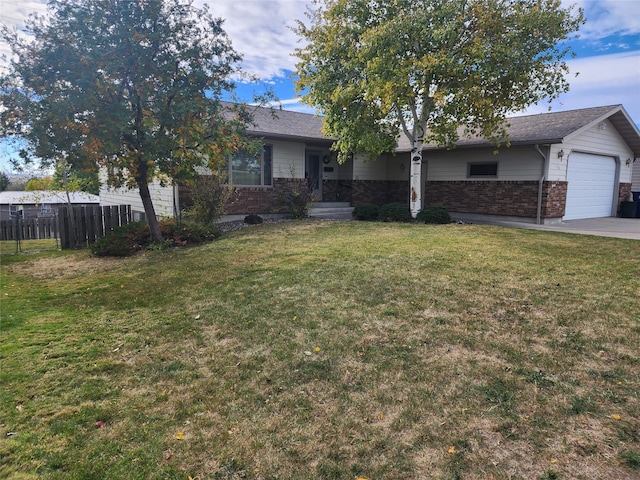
(607, 62)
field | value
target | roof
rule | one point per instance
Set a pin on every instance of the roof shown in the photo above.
(555, 127)
(273, 122)
(45, 196)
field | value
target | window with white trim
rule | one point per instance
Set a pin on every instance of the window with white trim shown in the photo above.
(247, 170)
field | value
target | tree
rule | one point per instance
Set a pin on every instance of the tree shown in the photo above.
(39, 183)
(432, 69)
(4, 181)
(132, 86)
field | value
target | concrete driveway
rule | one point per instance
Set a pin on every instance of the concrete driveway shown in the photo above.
(603, 227)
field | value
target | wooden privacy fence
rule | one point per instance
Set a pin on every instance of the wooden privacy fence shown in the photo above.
(36, 228)
(89, 223)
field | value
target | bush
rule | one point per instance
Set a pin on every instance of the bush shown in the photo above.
(434, 215)
(133, 237)
(395, 212)
(123, 241)
(209, 196)
(296, 197)
(253, 219)
(366, 211)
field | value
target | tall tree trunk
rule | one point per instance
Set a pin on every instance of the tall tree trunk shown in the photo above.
(415, 200)
(145, 196)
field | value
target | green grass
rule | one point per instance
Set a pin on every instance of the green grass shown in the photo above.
(329, 350)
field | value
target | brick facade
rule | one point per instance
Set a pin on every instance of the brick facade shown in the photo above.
(246, 200)
(356, 192)
(509, 198)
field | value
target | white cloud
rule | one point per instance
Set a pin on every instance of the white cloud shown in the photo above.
(606, 18)
(601, 80)
(261, 31)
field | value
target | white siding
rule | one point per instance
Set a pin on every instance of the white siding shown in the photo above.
(635, 176)
(515, 163)
(601, 139)
(162, 198)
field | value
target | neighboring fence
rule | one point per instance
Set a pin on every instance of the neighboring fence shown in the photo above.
(35, 228)
(91, 223)
(88, 224)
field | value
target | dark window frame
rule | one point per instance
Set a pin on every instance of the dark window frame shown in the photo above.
(482, 170)
(265, 168)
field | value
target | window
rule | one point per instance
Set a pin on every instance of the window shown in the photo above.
(482, 169)
(249, 170)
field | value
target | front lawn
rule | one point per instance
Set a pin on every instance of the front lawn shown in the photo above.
(326, 350)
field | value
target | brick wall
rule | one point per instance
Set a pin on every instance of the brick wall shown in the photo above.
(379, 192)
(624, 192)
(510, 198)
(246, 200)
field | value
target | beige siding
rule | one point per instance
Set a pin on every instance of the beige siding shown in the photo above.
(386, 167)
(515, 163)
(288, 158)
(601, 139)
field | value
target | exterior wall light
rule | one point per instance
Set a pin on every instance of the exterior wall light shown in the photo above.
(561, 154)
(628, 162)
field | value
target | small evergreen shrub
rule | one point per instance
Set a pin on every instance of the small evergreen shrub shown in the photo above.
(133, 237)
(253, 219)
(394, 212)
(366, 211)
(434, 215)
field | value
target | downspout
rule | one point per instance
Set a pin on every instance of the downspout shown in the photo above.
(541, 184)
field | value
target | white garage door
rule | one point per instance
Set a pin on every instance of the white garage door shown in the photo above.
(591, 186)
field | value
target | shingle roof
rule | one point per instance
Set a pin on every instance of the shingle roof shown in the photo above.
(45, 197)
(555, 127)
(544, 128)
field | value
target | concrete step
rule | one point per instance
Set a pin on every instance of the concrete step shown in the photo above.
(338, 210)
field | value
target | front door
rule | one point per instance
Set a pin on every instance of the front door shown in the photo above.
(313, 173)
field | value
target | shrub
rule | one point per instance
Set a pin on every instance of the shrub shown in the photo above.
(123, 241)
(253, 219)
(296, 197)
(187, 233)
(133, 237)
(434, 215)
(209, 196)
(394, 212)
(366, 211)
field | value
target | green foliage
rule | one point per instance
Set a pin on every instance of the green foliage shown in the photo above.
(631, 459)
(438, 215)
(550, 475)
(134, 87)
(4, 181)
(394, 212)
(296, 197)
(209, 196)
(123, 241)
(39, 183)
(253, 219)
(366, 211)
(133, 237)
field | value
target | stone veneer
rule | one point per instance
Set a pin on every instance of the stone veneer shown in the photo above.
(509, 198)
(624, 193)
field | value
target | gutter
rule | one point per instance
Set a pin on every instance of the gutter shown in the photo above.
(543, 176)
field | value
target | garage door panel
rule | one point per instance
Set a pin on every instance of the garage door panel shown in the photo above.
(590, 189)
